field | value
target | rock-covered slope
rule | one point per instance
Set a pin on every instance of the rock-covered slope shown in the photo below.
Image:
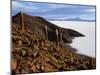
(32, 52)
(37, 25)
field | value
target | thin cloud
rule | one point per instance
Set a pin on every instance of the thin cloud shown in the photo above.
(54, 6)
(27, 7)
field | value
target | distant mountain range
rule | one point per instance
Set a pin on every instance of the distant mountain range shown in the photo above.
(73, 19)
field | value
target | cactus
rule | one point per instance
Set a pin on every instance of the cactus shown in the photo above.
(60, 36)
(46, 32)
(60, 33)
(22, 21)
(57, 36)
(61, 40)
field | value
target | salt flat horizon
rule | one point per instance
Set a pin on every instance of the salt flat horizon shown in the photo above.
(84, 45)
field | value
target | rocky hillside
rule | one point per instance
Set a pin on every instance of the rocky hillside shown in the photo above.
(37, 25)
(38, 46)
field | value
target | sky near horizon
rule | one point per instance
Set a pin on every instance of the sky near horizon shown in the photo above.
(54, 11)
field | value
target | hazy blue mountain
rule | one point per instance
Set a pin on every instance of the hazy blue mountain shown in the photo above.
(73, 19)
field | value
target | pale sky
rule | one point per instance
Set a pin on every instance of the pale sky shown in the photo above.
(54, 11)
